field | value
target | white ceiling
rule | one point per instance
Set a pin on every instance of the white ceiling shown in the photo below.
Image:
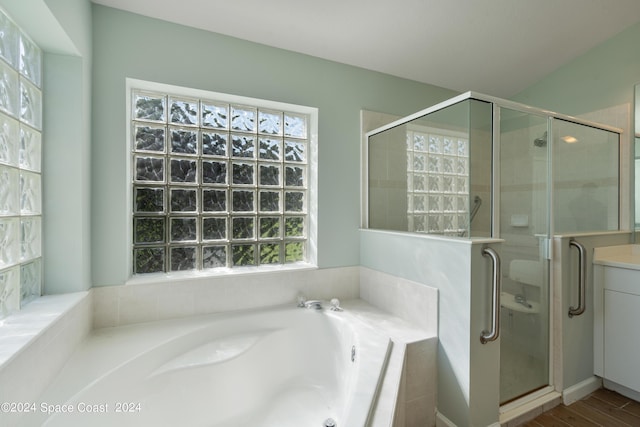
(497, 47)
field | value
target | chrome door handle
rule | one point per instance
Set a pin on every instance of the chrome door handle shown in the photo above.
(494, 333)
(582, 279)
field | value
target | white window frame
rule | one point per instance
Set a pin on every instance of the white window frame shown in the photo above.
(312, 165)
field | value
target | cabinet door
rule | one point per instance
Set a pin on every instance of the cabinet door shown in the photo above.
(622, 338)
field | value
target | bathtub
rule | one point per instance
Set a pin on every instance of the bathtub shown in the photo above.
(283, 366)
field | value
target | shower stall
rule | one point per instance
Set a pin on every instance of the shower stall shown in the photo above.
(503, 180)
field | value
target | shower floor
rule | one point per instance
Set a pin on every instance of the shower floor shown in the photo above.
(520, 373)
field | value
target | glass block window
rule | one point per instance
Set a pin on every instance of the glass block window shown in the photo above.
(438, 182)
(216, 184)
(20, 168)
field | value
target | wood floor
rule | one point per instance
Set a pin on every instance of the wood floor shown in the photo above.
(602, 408)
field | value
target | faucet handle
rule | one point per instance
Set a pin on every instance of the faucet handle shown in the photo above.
(335, 305)
(301, 301)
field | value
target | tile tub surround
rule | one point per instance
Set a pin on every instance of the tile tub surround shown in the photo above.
(36, 342)
(407, 395)
(414, 302)
(416, 401)
(188, 296)
(415, 307)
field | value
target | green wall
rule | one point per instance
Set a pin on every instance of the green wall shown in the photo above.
(602, 77)
(129, 45)
(85, 207)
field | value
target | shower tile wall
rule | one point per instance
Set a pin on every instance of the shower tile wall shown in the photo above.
(586, 179)
(620, 116)
(388, 181)
(481, 224)
(370, 120)
(518, 197)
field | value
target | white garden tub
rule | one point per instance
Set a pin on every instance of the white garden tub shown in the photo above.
(283, 366)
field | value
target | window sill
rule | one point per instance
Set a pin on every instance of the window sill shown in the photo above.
(36, 320)
(180, 276)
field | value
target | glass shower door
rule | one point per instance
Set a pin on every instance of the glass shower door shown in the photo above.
(524, 226)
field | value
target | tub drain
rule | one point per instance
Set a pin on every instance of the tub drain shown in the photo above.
(329, 422)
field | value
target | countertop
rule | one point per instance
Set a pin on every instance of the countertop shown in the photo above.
(623, 256)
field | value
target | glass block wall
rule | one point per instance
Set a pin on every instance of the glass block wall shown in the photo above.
(438, 182)
(20, 168)
(216, 184)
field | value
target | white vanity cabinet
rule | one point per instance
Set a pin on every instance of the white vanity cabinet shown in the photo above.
(617, 315)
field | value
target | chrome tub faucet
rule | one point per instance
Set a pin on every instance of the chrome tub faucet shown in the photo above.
(303, 303)
(318, 304)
